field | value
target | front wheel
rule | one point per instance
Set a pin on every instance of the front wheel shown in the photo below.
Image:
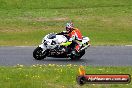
(38, 53)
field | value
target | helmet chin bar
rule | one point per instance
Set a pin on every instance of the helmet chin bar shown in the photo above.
(69, 29)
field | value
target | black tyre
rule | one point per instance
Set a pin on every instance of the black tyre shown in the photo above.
(82, 53)
(75, 55)
(38, 54)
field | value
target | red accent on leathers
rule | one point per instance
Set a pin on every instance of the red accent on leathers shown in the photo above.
(77, 35)
(76, 32)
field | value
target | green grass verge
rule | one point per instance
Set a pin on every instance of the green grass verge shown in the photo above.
(25, 22)
(55, 76)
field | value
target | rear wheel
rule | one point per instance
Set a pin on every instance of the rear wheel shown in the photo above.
(82, 53)
(75, 55)
(38, 53)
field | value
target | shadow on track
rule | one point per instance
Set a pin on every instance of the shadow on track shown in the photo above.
(62, 59)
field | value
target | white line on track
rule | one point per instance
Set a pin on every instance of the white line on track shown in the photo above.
(128, 45)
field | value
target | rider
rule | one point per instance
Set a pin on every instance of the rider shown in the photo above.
(74, 37)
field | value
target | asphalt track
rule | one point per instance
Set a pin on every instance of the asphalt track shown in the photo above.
(95, 56)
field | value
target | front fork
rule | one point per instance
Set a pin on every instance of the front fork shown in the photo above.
(43, 47)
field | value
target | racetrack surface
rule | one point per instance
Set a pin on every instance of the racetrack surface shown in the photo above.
(95, 55)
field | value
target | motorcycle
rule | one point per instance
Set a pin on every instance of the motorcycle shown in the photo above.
(51, 47)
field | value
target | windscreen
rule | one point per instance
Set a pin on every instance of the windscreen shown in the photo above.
(52, 36)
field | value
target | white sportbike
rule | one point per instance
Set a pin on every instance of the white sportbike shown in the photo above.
(51, 47)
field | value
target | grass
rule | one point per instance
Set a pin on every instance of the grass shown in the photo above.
(55, 76)
(25, 22)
